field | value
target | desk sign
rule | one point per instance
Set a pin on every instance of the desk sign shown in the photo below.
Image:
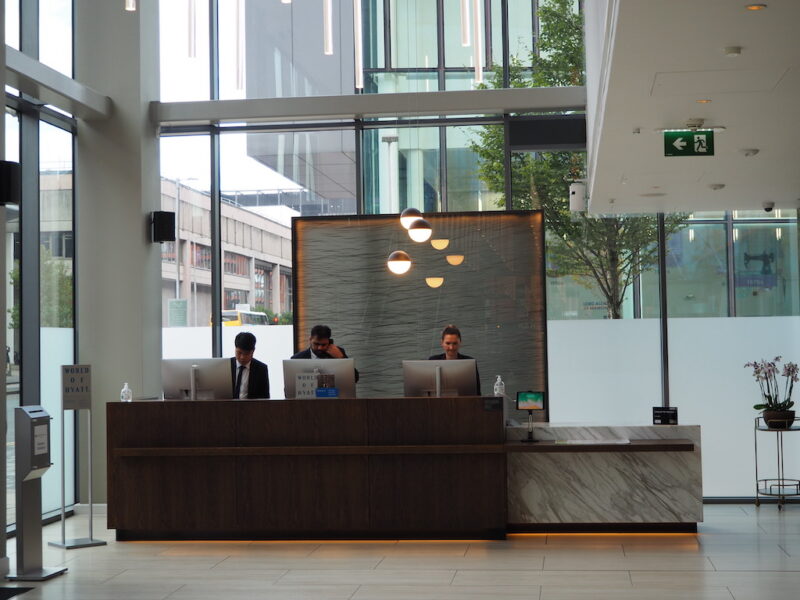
(665, 415)
(76, 387)
(305, 385)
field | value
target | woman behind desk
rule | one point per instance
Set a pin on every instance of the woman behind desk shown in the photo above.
(451, 342)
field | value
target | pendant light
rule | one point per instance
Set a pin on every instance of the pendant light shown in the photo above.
(420, 230)
(408, 216)
(399, 262)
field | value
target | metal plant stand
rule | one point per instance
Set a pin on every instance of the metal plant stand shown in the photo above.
(777, 487)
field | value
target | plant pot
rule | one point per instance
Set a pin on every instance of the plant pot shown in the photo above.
(778, 419)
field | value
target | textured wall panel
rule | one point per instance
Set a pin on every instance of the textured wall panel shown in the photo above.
(496, 296)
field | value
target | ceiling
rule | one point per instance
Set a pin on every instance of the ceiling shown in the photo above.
(659, 58)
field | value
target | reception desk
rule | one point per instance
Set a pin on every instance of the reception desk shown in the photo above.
(581, 478)
(387, 467)
(260, 469)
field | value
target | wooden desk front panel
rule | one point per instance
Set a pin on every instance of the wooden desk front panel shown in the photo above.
(306, 468)
(439, 493)
(285, 495)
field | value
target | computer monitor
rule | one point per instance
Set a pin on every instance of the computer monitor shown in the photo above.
(342, 369)
(455, 377)
(214, 380)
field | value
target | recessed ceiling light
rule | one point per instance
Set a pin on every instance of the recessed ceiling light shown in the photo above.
(703, 101)
(756, 6)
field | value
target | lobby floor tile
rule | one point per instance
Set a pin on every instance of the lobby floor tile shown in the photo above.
(740, 553)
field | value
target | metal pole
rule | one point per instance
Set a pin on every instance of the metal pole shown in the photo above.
(178, 238)
(662, 302)
(63, 482)
(91, 509)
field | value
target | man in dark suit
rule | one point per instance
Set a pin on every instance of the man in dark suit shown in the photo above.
(249, 376)
(320, 345)
(451, 342)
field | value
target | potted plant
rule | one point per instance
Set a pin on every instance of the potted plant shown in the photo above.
(776, 405)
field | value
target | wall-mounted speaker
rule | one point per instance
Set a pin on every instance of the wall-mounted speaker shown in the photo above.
(163, 226)
(10, 182)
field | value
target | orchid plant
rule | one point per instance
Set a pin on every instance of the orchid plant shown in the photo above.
(766, 374)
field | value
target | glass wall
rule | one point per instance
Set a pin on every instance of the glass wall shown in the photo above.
(12, 23)
(278, 49)
(43, 325)
(184, 50)
(55, 35)
(11, 272)
(57, 324)
(186, 263)
(765, 269)
(404, 170)
(697, 274)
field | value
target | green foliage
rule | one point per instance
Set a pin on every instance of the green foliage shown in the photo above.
(55, 292)
(605, 252)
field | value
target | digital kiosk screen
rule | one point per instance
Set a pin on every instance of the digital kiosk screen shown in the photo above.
(530, 400)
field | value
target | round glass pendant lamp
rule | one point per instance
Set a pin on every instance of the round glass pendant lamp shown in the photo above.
(440, 244)
(420, 230)
(408, 216)
(455, 259)
(399, 262)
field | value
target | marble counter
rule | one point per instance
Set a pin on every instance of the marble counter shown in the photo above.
(604, 488)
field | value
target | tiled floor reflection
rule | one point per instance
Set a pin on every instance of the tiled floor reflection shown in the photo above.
(740, 553)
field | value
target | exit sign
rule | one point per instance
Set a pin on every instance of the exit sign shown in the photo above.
(688, 143)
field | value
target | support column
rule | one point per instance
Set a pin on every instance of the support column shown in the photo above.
(118, 272)
(4, 263)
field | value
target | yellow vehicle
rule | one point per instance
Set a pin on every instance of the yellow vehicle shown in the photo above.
(234, 318)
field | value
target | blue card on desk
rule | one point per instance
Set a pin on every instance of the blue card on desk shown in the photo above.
(327, 392)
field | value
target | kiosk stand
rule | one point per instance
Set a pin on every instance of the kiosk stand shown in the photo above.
(32, 438)
(76, 394)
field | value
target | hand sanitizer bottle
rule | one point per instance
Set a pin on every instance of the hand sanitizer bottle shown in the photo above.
(499, 387)
(126, 394)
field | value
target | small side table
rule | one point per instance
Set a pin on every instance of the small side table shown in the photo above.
(777, 487)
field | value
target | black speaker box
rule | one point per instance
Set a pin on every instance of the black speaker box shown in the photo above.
(10, 182)
(163, 226)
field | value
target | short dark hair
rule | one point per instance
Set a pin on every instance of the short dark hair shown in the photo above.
(245, 341)
(321, 332)
(451, 330)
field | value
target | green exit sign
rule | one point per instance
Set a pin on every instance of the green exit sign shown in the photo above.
(689, 143)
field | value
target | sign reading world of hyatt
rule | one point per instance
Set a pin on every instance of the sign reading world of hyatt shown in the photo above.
(688, 143)
(76, 387)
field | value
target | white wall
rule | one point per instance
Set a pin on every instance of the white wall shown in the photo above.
(608, 372)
